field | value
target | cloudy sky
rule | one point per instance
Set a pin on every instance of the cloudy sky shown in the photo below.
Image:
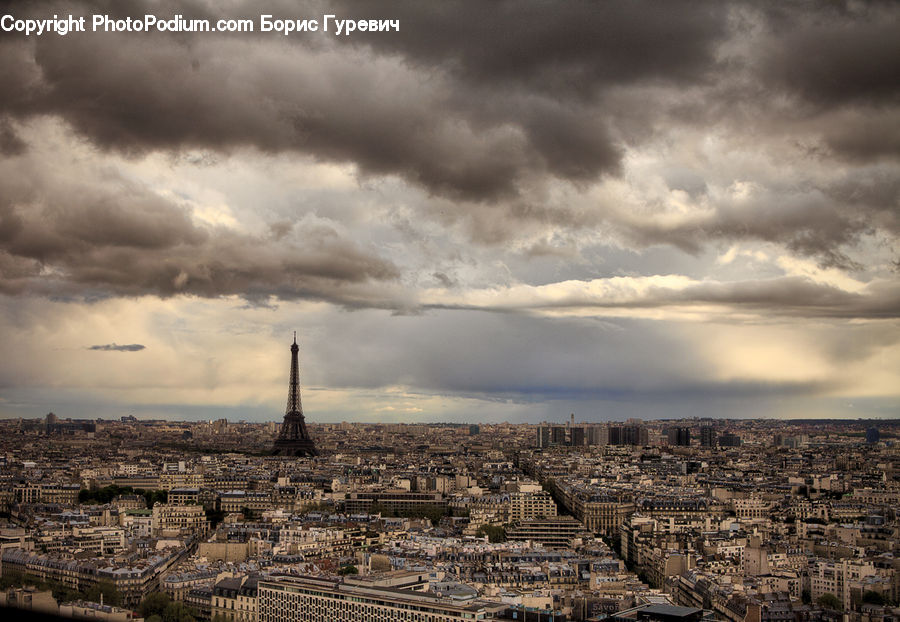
(504, 211)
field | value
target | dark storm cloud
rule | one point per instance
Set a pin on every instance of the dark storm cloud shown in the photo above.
(790, 296)
(114, 347)
(836, 53)
(794, 296)
(10, 143)
(222, 94)
(875, 188)
(864, 135)
(109, 236)
(838, 58)
(486, 105)
(554, 47)
(811, 220)
(135, 93)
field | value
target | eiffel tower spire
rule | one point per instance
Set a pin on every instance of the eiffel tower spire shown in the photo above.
(293, 439)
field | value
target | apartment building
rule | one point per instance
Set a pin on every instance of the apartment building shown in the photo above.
(526, 505)
(171, 520)
(838, 578)
(309, 599)
(236, 599)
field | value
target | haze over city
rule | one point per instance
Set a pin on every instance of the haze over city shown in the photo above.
(495, 213)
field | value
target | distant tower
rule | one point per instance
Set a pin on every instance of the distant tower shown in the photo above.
(50, 423)
(294, 440)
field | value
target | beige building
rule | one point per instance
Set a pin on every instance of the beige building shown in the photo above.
(175, 520)
(316, 541)
(168, 481)
(29, 599)
(184, 496)
(238, 500)
(100, 541)
(235, 599)
(751, 507)
(64, 494)
(526, 505)
(603, 514)
(310, 599)
(838, 578)
(95, 611)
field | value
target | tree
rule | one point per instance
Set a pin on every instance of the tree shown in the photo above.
(11, 579)
(348, 569)
(434, 513)
(64, 594)
(215, 517)
(154, 603)
(829, 601)
(103, 495)
(178, 612)
(110, 594)
(383, 510)
(155, 496)
(494, 533)
(316, 507)
(815, 520)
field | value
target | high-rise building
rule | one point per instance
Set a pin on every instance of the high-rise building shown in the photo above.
(576, 436)
(614, 435)
(543, 436)
(558, 435)
(680, 437)
(707, 436)
(294, 439)
(730, 440)
(640, 435)
(632, 434)
(596, 435)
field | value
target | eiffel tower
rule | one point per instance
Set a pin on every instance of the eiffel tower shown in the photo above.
(294, 440)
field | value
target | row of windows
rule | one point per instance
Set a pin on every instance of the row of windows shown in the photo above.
(277, 606)
(351, 612)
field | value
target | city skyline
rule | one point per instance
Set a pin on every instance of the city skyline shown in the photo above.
(495, 213)
(724, 521)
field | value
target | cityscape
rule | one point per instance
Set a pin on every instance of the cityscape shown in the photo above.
(675, 520)
(450, 311)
